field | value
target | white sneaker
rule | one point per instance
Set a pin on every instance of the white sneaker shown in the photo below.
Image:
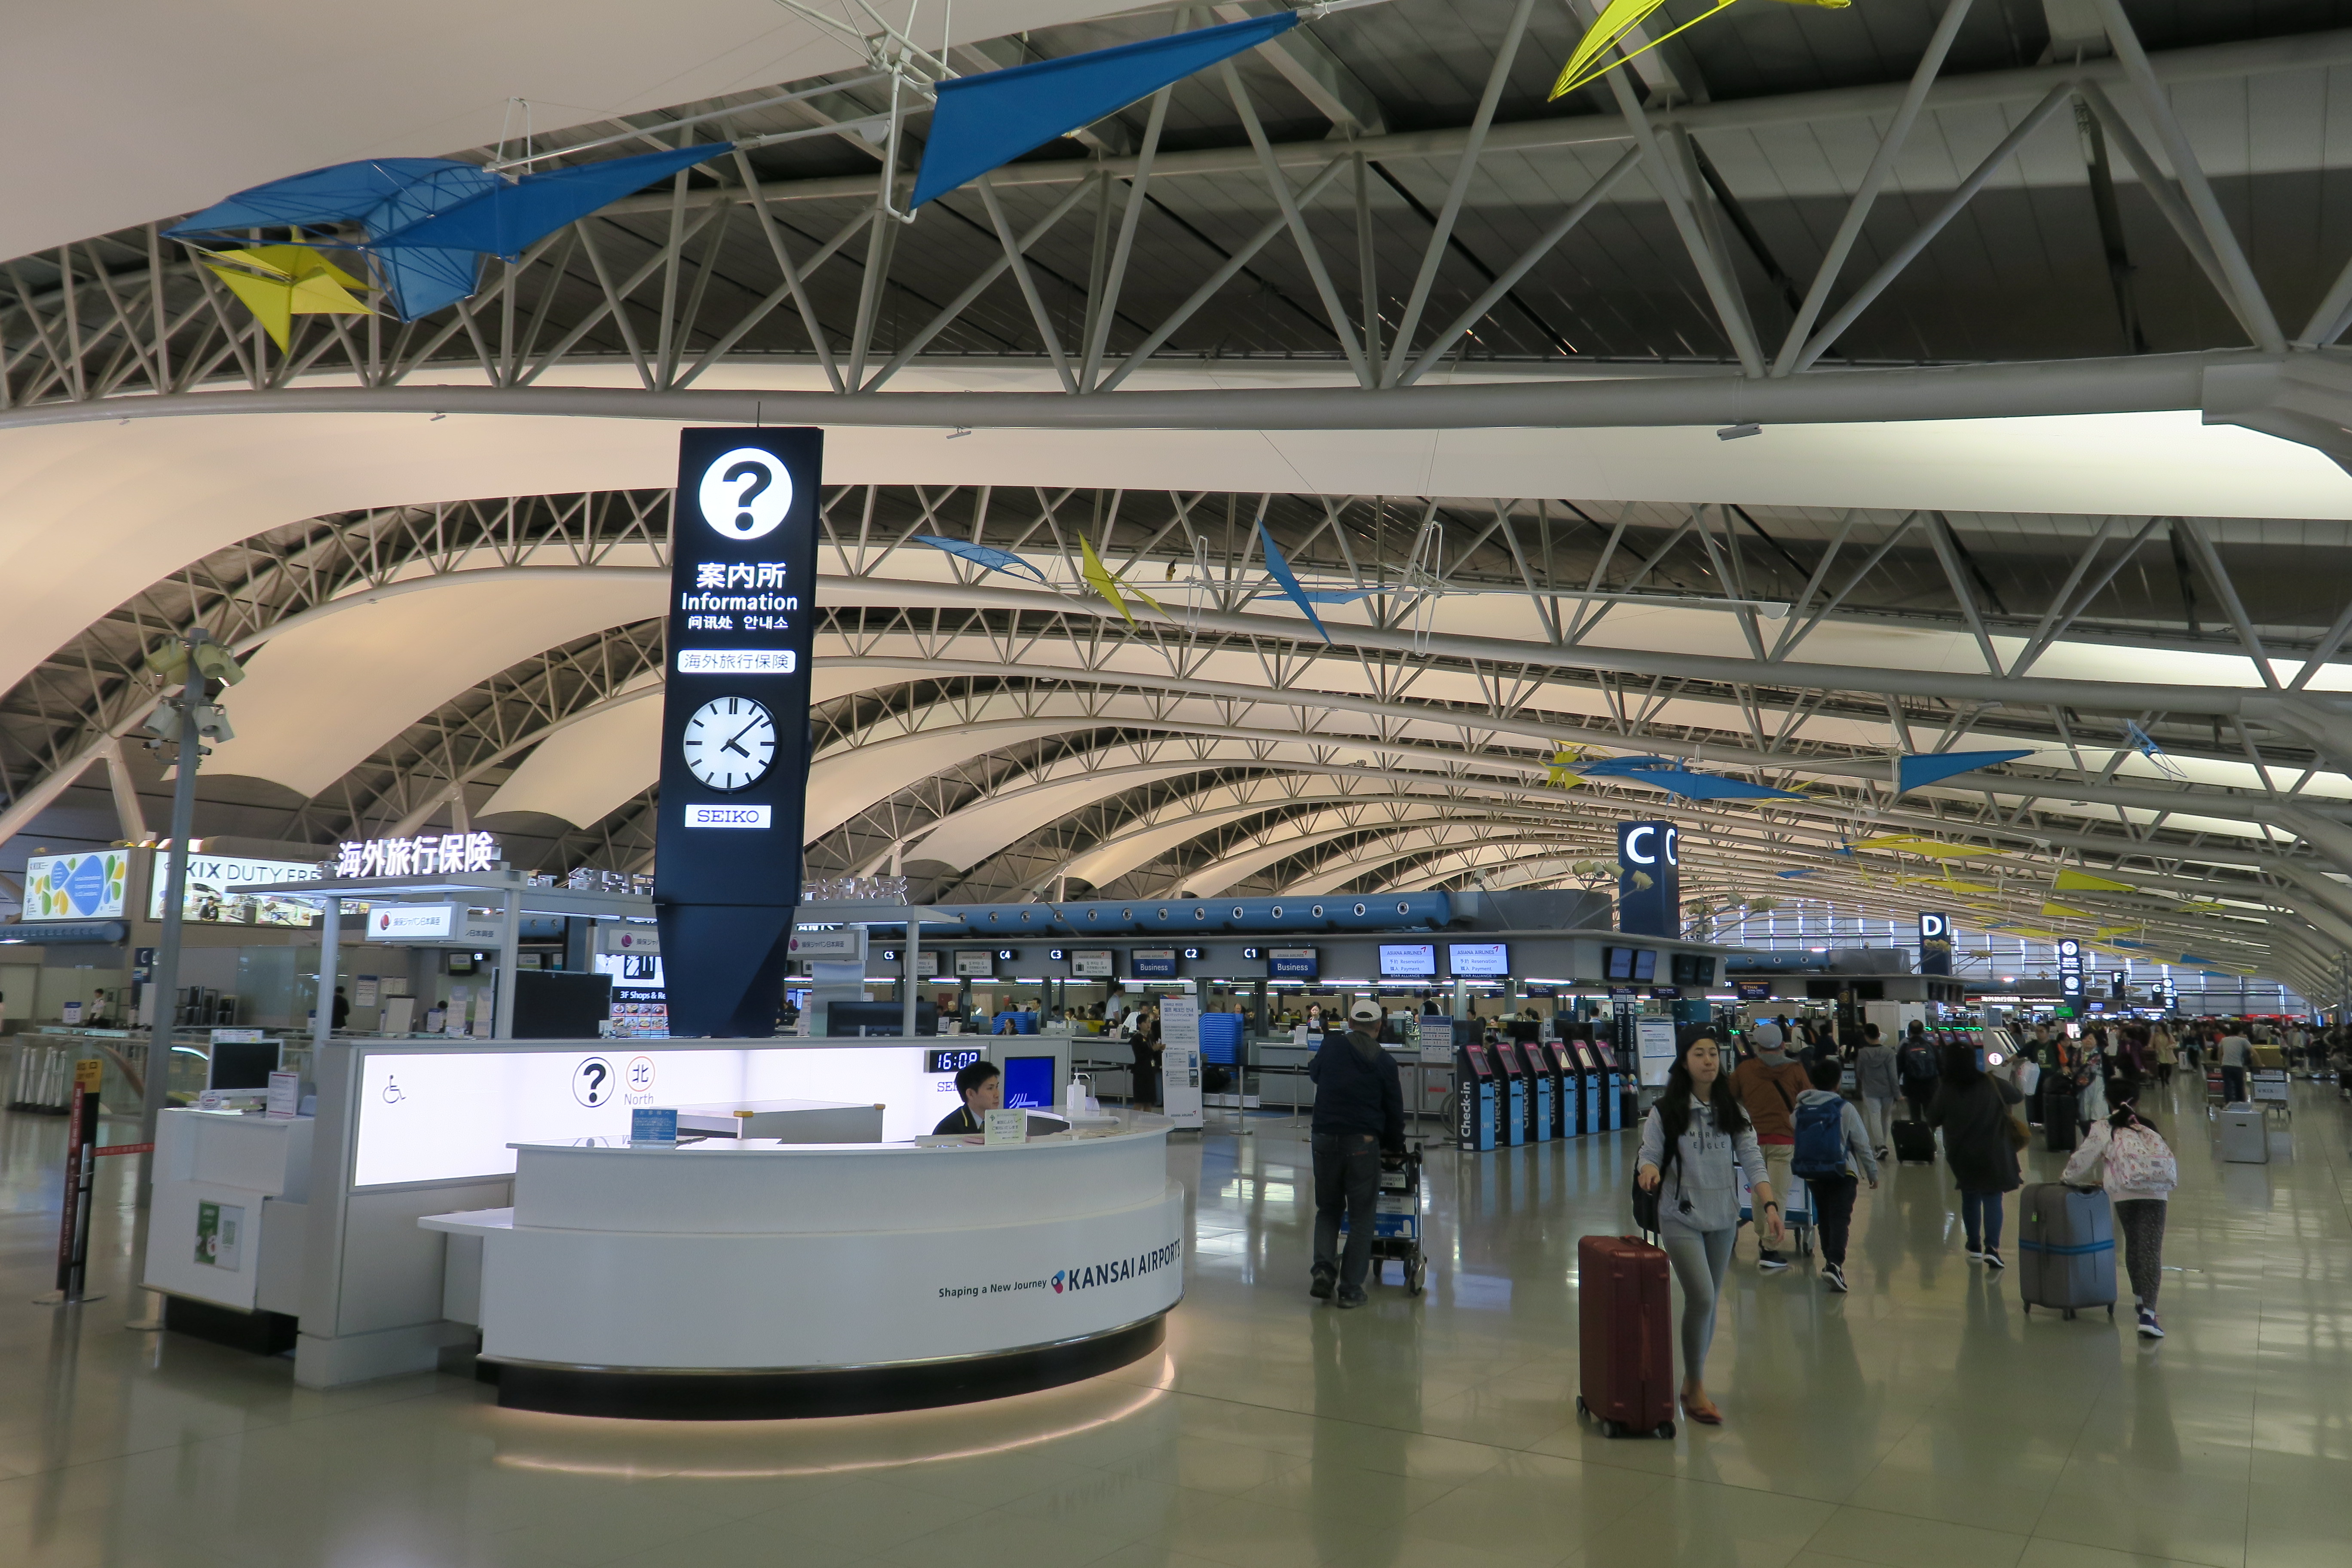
(1976, 1255)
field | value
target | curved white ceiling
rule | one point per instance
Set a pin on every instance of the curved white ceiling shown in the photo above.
(96, 512)
(568, 776)
(114, 114)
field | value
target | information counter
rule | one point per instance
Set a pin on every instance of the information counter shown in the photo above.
(758, 1280)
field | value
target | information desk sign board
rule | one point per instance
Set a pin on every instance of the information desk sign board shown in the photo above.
(1437, 1042)
(652, 1126)
(1179, 1060)
(1005, 1126)
(1655, 1043)
(285, 1100)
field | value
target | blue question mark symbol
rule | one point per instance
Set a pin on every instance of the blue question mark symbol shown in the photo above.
(760, 477)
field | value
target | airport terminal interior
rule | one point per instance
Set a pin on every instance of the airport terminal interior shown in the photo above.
(1217, 784)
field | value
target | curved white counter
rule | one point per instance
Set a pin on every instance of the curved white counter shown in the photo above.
(767, 1280)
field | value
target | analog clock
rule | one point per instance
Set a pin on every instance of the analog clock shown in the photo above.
(730, 742)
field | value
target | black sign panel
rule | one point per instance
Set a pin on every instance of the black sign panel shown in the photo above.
(734, 763)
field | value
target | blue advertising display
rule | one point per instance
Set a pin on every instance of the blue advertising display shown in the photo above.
(1029, 1083)
(1651, 852)
(734, 762)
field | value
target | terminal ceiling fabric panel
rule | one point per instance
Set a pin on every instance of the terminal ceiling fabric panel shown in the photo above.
(319, 699)
(571, 774)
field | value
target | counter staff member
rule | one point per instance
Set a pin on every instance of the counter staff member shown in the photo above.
(982, 1087)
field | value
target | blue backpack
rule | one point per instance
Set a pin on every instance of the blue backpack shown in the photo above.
(1820, 1141)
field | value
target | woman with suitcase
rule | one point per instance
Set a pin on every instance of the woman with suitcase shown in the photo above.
(2139, 1173)
(1981, 1143)
(1696, 1142)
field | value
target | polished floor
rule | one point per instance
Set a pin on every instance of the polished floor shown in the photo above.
(1922, 1420)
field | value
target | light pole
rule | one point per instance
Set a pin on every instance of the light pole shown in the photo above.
(189, 719)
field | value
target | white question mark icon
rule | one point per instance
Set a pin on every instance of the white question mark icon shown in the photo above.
(745, 493)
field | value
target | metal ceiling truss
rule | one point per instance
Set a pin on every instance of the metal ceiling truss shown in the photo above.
(946, 655)
(764, 262)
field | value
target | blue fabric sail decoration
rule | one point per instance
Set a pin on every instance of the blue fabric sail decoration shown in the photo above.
(380, 194)
(986, 555)
(1673, 778)
(987, 120)
(1279, 570)
(1322, 595)
(1801, 871)
(508, 218)
(1910, 773)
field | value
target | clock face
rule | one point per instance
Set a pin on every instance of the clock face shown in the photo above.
(730, 742)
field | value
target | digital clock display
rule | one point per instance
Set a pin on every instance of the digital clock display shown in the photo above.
(950, 1061)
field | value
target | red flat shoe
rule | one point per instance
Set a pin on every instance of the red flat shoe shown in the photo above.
(1708, 1416)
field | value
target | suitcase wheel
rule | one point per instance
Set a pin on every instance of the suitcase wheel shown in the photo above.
(2069, 1314)
(1415, 1274)
(1665, 1430)
(1611, 1429)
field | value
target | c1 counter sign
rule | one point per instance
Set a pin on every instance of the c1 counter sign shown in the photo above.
(734, 764)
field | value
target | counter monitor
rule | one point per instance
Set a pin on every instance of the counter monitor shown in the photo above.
(1478, 960)
(1408, 962)
(1090, 962)
(1629, 963)
(1028, 1083)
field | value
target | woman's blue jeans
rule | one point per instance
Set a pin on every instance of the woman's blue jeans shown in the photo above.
(1980, 1217)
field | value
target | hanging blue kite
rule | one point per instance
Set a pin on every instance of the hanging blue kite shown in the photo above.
(1321, 595)
(986, 555)
(1673, 778)
(2145, 744)
(1801, 871)
(985, 121)
(1279, 570)
(1911, 772)
(426, 223)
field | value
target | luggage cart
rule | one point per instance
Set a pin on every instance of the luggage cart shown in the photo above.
(1796, 1213)
(1397, 1223)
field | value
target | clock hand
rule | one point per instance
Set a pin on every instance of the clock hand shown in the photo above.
(731, 746)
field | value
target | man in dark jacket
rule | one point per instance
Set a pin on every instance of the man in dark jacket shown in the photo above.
(1358, 1113)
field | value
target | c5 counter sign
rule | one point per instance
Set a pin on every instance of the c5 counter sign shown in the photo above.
(734, 763)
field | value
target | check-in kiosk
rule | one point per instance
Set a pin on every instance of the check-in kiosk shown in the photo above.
(1615, 1096)
(1510, 1095)
(1591, 1079)
(1474, 1090)
(1567, 1084)
(1540, 1088)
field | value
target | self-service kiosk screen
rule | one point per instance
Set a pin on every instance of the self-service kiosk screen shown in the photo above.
(1588, 1056)
(1562, 1061)
(1478, 1063)
(1028, 1083)
(1607, 1057)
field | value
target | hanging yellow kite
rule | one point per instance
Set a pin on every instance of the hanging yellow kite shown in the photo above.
(1562, 771)
(1100, 579)
(1592, 61)
(2084, 882)
(279, 283)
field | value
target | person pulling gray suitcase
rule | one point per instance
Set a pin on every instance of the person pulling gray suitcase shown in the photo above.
(2065, 1248)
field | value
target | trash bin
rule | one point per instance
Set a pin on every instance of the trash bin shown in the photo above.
(2245, 1137)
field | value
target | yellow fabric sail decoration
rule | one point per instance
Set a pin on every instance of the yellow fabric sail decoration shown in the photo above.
(279, 283)
(1100, 579)
(1945, 882)
(1593, 57)
(1898, 844)
(2084, 882)
(2064, 911)
(1562, 769)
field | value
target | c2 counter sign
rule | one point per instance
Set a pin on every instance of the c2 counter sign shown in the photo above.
(734, 762)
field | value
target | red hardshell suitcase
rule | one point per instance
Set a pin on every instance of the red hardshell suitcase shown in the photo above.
(1627, 1359)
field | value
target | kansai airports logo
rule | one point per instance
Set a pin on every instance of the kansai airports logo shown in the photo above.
(1119, 1270)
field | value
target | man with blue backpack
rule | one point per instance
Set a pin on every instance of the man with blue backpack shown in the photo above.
(1831, 1145)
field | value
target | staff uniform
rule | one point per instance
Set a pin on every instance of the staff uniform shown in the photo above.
(1698, 1213)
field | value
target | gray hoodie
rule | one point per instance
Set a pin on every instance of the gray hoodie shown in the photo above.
(1874, 1072)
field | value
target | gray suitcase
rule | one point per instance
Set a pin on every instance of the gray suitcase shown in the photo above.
(2065, 1248)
